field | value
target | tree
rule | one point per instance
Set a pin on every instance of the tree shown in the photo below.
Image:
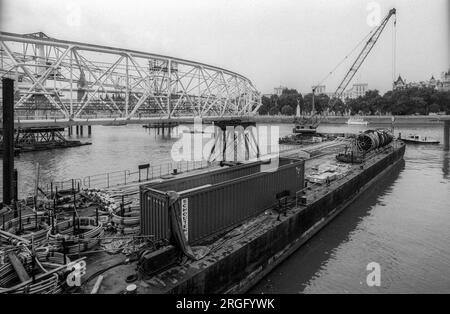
(274, 111)
(320, 102)
(401, 102)
(291, 98)
(265, 105)
(274, 104)
(339, 106)
(434, 108)
(287, 110)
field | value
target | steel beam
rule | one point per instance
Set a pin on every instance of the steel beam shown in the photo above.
(8, 140)
(83, 81)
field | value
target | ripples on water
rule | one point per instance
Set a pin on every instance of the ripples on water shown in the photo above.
(403, 223)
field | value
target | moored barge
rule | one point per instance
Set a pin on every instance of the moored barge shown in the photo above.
(229, 245)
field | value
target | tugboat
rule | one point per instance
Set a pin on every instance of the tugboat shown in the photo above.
(417, 139)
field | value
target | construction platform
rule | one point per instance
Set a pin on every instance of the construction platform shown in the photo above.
(40, 138)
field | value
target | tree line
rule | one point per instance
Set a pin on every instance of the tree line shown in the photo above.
(407, 101)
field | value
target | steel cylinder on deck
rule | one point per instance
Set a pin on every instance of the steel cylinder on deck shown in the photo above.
(373, 139)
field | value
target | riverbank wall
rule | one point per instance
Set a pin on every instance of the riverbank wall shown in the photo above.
(384, 120)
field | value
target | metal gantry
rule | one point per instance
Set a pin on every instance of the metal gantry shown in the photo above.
(70, 80)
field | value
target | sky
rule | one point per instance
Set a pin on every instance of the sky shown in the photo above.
(272, 42)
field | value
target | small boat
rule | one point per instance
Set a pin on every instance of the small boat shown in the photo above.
(417, 139)
(357, 121)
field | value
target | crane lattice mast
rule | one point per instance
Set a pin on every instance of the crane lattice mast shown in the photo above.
(360, 59)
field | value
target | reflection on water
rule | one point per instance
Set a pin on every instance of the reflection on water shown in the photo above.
(403, 223)
(445, 164)
(113, 148)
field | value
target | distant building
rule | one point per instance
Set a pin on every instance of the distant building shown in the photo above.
(276, 91)
(442, 85)
(279, 90)
(357, 90)
(319, 89)
(399, 83)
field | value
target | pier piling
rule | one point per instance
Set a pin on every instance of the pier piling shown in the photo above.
(8, 140)
(446, 135)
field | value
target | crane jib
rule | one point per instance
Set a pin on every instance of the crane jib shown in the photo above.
(360, 59)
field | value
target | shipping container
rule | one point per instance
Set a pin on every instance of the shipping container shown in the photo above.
(209, 177)
(213, 202)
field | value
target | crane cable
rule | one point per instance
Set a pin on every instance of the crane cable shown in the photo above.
(346, 57)
(394, 48)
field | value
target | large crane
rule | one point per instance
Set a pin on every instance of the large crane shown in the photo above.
(309, 125)
(360, 59)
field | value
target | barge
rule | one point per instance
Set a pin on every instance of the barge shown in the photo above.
(229, 245)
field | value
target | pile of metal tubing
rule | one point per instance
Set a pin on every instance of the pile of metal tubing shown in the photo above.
(128, 222)
(6, 213)
(373, 139)
(76, 235)
(47, 262)
(124, 215)
(33, 227)
(103, 198)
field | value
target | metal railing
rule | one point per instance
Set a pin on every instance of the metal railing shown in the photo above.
(125, 177)
(60, 116)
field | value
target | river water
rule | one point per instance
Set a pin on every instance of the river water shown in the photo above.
(402, 223)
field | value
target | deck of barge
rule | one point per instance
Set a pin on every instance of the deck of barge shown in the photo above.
(240, 256)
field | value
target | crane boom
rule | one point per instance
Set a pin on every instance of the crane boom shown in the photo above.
(360, 59)
(309, 125)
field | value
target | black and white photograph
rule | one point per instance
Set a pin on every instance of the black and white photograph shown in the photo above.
(225, 153)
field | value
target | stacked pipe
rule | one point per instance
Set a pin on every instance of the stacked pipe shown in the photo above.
(128, 222)
(101, 197)
(373, 139)
(124, 214)
(6, 213)
(32, 227)
(87, 236)
(47, 259)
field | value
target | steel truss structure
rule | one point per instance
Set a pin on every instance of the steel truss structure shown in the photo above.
(37, 136)
(71, 80)
(32, 136)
